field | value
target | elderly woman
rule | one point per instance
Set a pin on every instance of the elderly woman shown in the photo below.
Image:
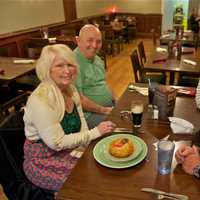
(54, 121)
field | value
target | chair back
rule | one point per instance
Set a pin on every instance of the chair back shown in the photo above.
(142, 54)
(137, 69)
(12, 131)
(15, 184)
(12, 104)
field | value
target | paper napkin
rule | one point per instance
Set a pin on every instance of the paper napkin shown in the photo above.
(159, 49)
(141, 90)
(52, 40)
(165, 35)
(179, 125)
(190, 62)
(78, 152)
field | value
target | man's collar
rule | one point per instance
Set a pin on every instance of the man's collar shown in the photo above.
(83, 57)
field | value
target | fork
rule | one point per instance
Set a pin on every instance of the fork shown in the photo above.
(161, 196)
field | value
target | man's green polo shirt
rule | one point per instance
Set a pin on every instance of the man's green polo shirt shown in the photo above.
(91, 80)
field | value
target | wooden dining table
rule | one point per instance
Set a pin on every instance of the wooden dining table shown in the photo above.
(91, 180)
(11, 70)
(159, 61)
(187, 38)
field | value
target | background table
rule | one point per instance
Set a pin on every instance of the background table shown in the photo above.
(12, 70)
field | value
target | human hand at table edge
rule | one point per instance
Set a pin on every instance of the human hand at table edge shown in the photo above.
(106, 127)
(191, 162)
(183, 152)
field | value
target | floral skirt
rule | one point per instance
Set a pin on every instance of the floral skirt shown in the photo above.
(45, 167)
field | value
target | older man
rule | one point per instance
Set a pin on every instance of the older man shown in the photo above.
(96, 97)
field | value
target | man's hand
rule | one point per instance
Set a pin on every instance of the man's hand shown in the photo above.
(191, 161)
(182, 153)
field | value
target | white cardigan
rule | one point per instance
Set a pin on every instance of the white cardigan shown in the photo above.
(197, 98)
(43, 113)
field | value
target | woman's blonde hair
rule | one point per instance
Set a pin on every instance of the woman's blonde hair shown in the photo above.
(47, 57)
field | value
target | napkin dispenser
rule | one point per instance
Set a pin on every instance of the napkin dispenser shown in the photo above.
(165, 98)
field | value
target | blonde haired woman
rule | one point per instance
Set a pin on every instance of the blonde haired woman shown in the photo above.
(54, 120)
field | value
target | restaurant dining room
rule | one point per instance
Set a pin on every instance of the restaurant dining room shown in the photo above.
(99, 99)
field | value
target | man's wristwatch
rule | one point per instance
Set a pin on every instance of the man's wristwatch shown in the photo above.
(196, 171)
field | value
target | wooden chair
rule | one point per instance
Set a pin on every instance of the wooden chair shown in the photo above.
(14, 182)
(188, 80)
(159, 76)
(109, 43)
(140, 74)
(12, 104)
(137, 69)
(142, 53)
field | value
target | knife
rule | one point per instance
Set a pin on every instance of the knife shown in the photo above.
(179, 196)
(123, 130)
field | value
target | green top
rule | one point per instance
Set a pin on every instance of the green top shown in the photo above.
(91, 79)
(71, 122)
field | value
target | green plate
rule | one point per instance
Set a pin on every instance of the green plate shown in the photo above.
(99, 153)
(137, 148)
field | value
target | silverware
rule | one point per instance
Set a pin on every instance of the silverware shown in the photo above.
(161, 196)
(159, 192)
(124, 130)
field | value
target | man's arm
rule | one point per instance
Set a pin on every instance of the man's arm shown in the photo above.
(91, 106)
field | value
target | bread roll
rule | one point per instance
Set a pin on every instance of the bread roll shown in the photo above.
(121, 148)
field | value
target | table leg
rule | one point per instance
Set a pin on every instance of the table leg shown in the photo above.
(167, 82)
(176, 78)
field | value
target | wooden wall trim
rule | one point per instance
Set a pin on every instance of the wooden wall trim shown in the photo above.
(16, 41)
(13, 34)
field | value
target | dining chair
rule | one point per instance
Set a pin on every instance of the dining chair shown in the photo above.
(12, 104)
(188, 80)
(141, 75)
(158, 76)
(15, 184)
(142, 53)
(137, 69)
(111, 44)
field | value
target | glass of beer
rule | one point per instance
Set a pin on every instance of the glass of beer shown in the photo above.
(136, 112)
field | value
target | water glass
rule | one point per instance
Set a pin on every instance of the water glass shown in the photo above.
(165, 156)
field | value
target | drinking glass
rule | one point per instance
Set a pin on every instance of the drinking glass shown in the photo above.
(137, 112)
(165, 155)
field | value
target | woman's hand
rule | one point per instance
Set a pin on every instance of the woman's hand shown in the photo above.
(191, 161)
(182, 153)
(106, 127)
